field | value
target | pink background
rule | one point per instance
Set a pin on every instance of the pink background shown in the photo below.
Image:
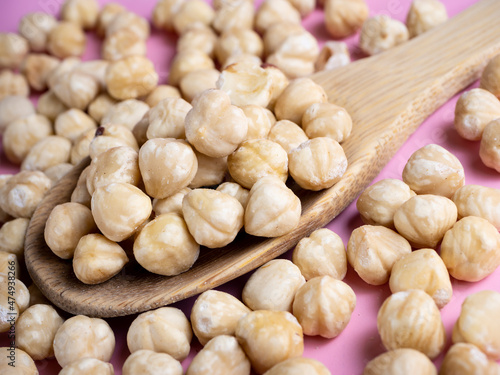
(359, 342)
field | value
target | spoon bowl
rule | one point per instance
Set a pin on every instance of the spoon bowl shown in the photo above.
(388, 96)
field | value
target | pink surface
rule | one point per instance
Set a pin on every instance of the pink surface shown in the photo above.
(360, 342)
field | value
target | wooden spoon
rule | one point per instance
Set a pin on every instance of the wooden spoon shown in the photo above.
(387, 95)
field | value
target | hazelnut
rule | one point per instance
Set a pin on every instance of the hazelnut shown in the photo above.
(424, 15)
(381, 33)
(344, 17)
(489, 150)
(477, 200)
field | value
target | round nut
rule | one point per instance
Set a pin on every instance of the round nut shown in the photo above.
(164, 330)
(424, 219)
(470, 249)
(323, 306)
(35, 28)
(66, 224)
(216, 313)
(214, 126)
(318, 163)
(47, 153)
(229, 14)
(269, 337)
(462, 358)
(272, 209)
(478, 323)
(321, 254)
(298, 366)
(9, 311)
(66, 39)
(191, 12)
(12, 234)
(489, 149)
(273, 286)
(287, 134)
(490, 79)
(109, 136)
(81, 12)
(128, 20)
(82, 337)
(344, 17)
(13, 84)
(211, 171)
(166, 119)
(221, 355)
(187, 61)
(373, 250)
(381, 33)
(255, 159)
(24, 363)
(327, 120)
(127, 113)
(13, 108)
(164, 246)
(260, 121)
(238, 40)
(13, 49)
(425, 15)
(88, 366)
(148, 362)
(76, 89)
(235, 190)
(167, 166)
(272, 12)
(411, 319)
(477, 200)
(422, 269)
(400, 361)
(119, 209)
(161, 92)
(172, 203)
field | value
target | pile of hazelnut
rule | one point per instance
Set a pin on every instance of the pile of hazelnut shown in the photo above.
(191, 163)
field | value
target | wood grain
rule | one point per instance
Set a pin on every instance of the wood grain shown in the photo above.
(388, 97)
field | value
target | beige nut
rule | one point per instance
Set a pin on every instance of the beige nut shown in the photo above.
(172, 203)
(26, 365)
(400, 361)
(123, 43)
(109, 136)
(167, 166)
(164, 12)
(13, 84)
(213, 218)
(490, 78)
(13, 108)
(214, 126)
(66, 224)
(327, 120)
(37, 68)
(279, 81)
(10, 310)
(474, 110)
(197, 81)
(373, 250)
(199, 37)
(273, 286)
(211, 171)
(236, 13)
(22, 134)
(100, 106)
(58, 171)
(424, 219)
(187, 61)
(344, 17)
(422, 269)
(238, 40)
(12, 234)
(425, 15)
(332, 55)
(9, 264)
(76, 89)
(477, 200)
(164, 330)
(269, 337)
(80, 194)
(381, 33)
(50, 105)
(321, 254)
(128, 20)
(191, 12)
(434, 170)
(271, 12)
(66, 39)
(127, 113)
(216, 313)
(35, 28)
(478, 323)
(246, 83)
(97, 259)
(22, 193)
(161, 92)
(272, 209)
(65, 66)
(290, 107)
(221, 355)
(260, 121)
(81, 147)
(81, 12)
(287, 134)
(411, 319)
(13, 49)
(323, 306)
(119, 209)
(378, 203)
(131, 77)
(148, 362)
(35, 330)
(470, 249)
(82, 337)
(166, 119)
(47, 153)
(72, 123)
(88, 366)
(118, 164)
(489, 150)
(164, 245)
(235, 190)
(317, 164)
(255, 159)
(299, 366)
(465, 358)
